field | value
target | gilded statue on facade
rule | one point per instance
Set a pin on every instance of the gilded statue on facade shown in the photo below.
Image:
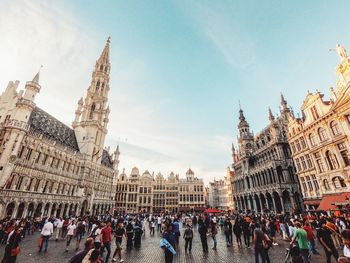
(341, 51)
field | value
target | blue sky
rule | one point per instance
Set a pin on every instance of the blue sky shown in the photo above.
(178, 68)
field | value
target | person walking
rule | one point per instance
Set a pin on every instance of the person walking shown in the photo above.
(202, 230)
(213, 231)
(310, 237)
(300, 236)
(12, 248)
(325, 237)
(106, 239)
(188, 236)
(130, 234)
(71, 231)
(246, 232)
(237, 230)
(258, 238)
(59, 228)
(80, 231)
(46, 232)
(167, 243)
(119, 233)
(228, 231)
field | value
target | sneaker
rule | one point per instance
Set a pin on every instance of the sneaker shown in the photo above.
(275, 244)
(121, 260)
(114, 260)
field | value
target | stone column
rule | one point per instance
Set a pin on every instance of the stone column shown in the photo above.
(282, 204)
(15, 209)
(25, 210)
(274, 204)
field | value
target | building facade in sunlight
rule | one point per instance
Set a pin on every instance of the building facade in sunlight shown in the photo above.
(149, 193)
(320, 143)
(48, 168)
(264, 174)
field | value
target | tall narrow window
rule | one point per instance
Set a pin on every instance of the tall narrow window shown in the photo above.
(312, 139)
(322, 134)
(92, 111)
(344, 153)
(319, 162)
(332, 160)
(335, 128)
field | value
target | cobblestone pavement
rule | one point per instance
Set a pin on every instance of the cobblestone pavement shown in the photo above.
(150, 252)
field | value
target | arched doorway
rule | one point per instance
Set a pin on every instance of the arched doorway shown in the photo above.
(251, 204)
(277, 200)
(59, 209)
(53, 209)
(65, 210)
(20, 210)
(269, 202)
(38, 209)
(46, 209)
(83, 208)
(70, 213)
(30, 210)
(257, 203)
(263, 202)
(286, 202)
(9, 209)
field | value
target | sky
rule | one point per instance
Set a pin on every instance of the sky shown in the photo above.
(179, 68)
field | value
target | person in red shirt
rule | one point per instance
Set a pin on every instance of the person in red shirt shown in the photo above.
(106, 238)
(310, 237)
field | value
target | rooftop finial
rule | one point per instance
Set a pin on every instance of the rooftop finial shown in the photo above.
(271, 117)
(36, 77)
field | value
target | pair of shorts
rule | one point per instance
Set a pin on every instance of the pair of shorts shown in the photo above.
(118, 244)
(80, 237)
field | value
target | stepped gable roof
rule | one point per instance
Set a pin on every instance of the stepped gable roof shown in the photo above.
(51, 128)
(106, 159)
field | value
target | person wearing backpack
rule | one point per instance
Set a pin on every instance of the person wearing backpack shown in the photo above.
(259, 238)
(188, 236)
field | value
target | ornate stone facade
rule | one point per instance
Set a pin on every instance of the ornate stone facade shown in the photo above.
(264, 175)
(153, 194)
(320, 143)
(48, 168)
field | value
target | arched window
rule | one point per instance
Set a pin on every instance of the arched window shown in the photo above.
(92, 111)
(332, 160)
(98, 85)
(335, 128)
(322, 134)
(326, 184)
(312, 139)
(338, 182)
(101, 67)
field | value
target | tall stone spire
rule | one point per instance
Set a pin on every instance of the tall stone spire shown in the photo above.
(284, 105)
(91, 117)
(271, 117)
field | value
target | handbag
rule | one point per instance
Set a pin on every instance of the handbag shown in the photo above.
(15, 251)
(267, 243)
(40, 241)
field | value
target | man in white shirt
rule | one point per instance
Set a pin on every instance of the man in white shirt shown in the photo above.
(71, 229)
(59, 222)
(46, 232)
(159, 221)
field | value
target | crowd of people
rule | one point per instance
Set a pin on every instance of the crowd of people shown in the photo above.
(257, 231)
